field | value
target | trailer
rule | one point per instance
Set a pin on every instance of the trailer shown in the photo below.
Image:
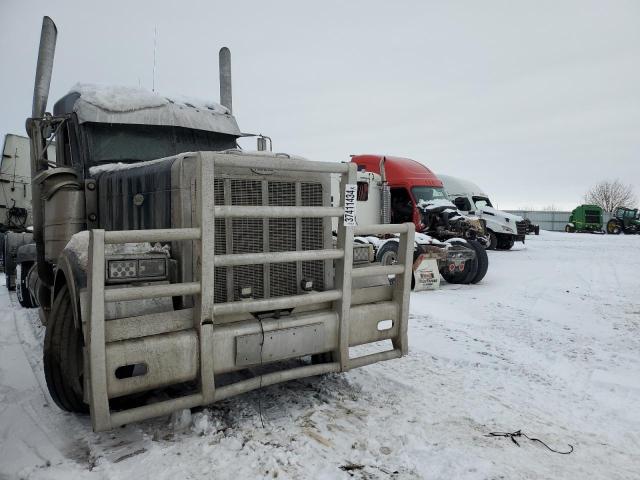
(15, 207)
(156, 269)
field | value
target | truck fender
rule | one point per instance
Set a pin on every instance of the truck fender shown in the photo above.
(70, 272)
(26, 253)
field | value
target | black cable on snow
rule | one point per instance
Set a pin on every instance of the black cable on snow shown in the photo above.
(520, 433)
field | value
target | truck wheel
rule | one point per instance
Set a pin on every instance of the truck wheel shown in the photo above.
(62, 355)
(483, 261)
(22, 290)
(506, 243)
(465, 276)
(569, 229)
(388, 253)
(493, 241)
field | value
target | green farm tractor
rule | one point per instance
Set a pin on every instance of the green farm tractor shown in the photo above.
(585, 218)
(625, 220)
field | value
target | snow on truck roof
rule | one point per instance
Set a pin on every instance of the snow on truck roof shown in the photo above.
(131, 105)
(458, 186)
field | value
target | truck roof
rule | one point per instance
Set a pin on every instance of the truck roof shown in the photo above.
(457, 186)
(398, 170)
(129, 105)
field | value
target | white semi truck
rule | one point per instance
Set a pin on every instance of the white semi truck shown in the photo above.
(503, 229)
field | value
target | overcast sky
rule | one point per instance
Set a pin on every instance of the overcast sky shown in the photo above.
(535, 101)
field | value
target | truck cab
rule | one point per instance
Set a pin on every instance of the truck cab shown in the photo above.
(409, 183)
(397, 190)
(504, 229)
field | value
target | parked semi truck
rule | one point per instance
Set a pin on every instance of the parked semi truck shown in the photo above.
(397, 190)
(15, 205)
(157, 268)
(503, 229)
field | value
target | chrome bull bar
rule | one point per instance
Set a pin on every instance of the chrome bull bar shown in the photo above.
(198, 343)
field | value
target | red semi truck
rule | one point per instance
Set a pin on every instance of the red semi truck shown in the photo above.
(398, 190)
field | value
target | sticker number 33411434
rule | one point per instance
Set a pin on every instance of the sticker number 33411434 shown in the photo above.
(350, 196)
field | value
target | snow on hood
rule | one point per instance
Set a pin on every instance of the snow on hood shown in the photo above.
(500, 213)
(128, 99)
(436, 203)
(112, 167)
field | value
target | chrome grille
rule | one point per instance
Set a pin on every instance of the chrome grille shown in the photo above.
(282, 234)
(282, 193)
(246, 192)
(283, 279)
(249, 235)
(311, 194)
(312, 234)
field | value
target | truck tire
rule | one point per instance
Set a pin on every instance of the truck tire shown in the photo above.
(22, 290)
(483, 261)
(569, 229)
(2, 237)
(493, 241)
(62, 356)
(388, 253)
(470, 266)
(506, 242)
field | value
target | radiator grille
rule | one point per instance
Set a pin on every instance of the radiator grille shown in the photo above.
(312, 234)
(246, 192)
(521, 227)
(248, 235)
(282, 193)
(311, 194)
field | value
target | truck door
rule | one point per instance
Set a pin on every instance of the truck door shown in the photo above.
(402, 207)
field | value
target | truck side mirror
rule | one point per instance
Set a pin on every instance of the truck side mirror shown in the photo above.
(262, 143)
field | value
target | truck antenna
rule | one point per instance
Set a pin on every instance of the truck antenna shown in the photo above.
(155, 43)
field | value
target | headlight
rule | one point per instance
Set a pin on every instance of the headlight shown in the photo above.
(507, 229)
(127, 268)
(122, 269)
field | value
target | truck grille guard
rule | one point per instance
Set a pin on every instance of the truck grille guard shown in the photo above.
(199, 343)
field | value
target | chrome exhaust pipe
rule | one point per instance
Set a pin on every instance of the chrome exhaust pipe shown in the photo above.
(39, 160)
(44, 68)
(225, 78)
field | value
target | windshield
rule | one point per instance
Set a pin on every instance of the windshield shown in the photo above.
(429, 193)
(108, 143)
(482, 202)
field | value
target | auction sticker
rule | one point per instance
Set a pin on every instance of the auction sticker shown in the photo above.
(350, 196)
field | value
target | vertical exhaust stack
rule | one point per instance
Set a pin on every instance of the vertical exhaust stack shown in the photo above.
(37, 134)
(44, 68)
(225, 78)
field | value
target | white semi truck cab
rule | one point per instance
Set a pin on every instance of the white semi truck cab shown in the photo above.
(504, 229)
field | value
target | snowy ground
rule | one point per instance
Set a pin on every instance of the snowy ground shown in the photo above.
(549, 343)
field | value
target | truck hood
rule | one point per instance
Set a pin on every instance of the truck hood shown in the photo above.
(499, 215)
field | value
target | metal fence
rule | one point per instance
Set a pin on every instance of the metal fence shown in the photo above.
(551, 220)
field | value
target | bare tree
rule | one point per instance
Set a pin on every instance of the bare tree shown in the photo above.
(610, 195)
